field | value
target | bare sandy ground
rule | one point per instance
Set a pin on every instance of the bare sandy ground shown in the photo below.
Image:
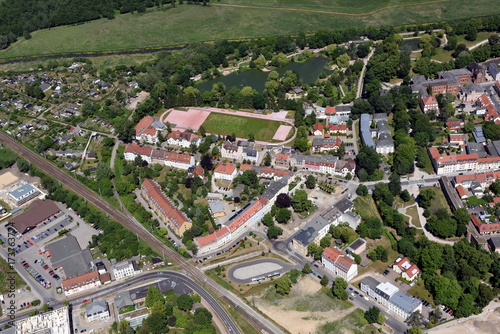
(6, 179)
(487, 322)
(141, 97)
(285, 314)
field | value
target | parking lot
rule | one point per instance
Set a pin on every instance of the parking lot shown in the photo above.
(30, 247)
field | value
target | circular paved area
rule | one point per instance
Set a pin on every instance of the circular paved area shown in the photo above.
(247, 272)
(256, 270)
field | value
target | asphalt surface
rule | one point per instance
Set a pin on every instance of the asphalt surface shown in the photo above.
(180, 281)
(285, 267)
(256, 319)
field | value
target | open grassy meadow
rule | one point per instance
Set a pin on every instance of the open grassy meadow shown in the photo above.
(236, 19)
(223, 124)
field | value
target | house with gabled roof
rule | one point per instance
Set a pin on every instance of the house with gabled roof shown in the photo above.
(406, 269)
(340, 264)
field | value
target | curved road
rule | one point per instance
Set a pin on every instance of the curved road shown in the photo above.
(163, 275)
(255, 318)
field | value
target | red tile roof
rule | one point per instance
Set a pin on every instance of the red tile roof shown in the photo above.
(282, 156)
(225, 168)
(429, 100)
(461, 191)
(145, 127)
(138, 150)
(247, 214)
(79, 281)
(318, 127)
(331, 254)
(156, 195)
(485, 228)
(330, 110)
(244, 167)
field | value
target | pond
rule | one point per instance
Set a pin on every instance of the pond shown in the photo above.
(411, 44)
(308, 71)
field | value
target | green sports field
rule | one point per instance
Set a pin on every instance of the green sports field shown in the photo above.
(223, 124)
(237, 19)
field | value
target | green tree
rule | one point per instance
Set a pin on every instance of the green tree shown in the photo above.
(405, 196)
(268, 220)
(283, 215)
(343, 60)
(310, 182)
(371, 315)
(184, 302)
(446, 291)
(274, 231)
(394, 184)
(338, 288)
(362, 190)
(324, 281)
(425, 197)
(153, 295)
(307, 269)
(157, 323)
(300, 203)
(415, 330)
(267, 159)
(283, 285)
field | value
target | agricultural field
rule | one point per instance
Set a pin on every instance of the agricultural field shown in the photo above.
(223, 124)
(242, 19)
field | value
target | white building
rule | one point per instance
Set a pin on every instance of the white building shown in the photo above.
(231, 151)
(389, 295)
(126, 268)
(131, 152)
(340, 264)
(225, 171)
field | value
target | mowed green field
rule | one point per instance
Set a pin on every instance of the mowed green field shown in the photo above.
(223, 124)
(237, 19)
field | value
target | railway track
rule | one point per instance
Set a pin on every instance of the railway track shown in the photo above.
(253, 317)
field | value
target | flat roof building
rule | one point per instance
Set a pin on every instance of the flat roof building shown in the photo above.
(66, 253)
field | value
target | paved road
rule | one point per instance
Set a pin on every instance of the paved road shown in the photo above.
(255, 318)
(178, 281)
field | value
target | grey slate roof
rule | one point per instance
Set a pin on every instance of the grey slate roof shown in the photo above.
(357, 243)
(306, 236)
(479, 135)
(366, 133)
(404, 302)
(97, 307)
(371, 282)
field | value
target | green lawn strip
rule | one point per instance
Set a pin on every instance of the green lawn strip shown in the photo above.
(6, 271)
(439, 202)
(365, 206)
(175, 26)
(413, 213)
(223, 124)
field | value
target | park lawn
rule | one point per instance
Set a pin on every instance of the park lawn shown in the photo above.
(412, 212)
(242, 126)
(439, 202)
(443, 55)
(365, 206)
(170, 27)
(481, 36)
